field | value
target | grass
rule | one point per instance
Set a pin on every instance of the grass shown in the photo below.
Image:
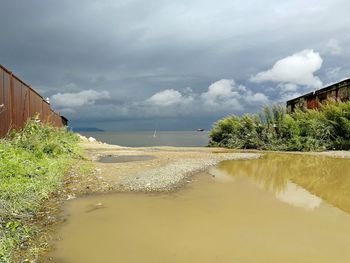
(33, 163)
(274, 129)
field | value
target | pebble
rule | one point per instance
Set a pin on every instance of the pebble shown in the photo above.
(70, 197)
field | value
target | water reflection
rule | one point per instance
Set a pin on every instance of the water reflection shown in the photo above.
(286, 175)
(299, 197)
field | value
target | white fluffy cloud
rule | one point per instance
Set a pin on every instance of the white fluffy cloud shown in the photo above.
(222, 93)
(71, 100)
(298, 69)
(225, 94)
(221, 97)
(168, 97)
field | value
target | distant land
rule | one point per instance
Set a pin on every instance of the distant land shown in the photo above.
(86, 129)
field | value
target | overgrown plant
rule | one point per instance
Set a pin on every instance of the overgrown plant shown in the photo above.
(273, 129)
(32, 165)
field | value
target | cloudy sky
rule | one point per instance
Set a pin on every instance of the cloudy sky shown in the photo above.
(177, 65)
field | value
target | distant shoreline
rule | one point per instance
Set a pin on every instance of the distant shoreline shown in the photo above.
(146, 138)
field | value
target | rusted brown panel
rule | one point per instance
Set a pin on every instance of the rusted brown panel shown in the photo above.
(57, 120)
(332, 94)
(53, 120)
(19, 105)
(2, 105)
(7, 102)
(4, 102)
(61, 121)
(25, 96)
(45, 111)
(51, 117)
(301, 104)
(35, 104)
(312, 104)
(343, 93)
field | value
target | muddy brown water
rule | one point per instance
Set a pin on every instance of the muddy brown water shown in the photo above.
(280, 208)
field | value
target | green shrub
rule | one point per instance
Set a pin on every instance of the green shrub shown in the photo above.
(274, 129)
(33, 162)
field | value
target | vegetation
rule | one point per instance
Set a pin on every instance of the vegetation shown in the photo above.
(273, 129)
(32, 165)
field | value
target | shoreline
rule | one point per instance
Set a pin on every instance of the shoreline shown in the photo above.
(165, 170)
(167, 167)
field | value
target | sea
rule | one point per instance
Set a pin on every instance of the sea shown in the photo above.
(147, 138)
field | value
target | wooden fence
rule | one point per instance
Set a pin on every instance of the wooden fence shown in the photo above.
(19, 102)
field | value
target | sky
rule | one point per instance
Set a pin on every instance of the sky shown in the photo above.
(172, 65)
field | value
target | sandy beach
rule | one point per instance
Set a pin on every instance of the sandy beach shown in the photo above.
(153, 169)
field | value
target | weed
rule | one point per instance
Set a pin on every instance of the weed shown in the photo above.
(33, 162)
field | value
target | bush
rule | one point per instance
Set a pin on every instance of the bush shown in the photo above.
(274, 129)
(32, 165)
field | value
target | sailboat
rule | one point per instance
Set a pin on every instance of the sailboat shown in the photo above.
(155, 133)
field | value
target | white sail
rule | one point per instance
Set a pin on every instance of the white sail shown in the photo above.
(155, 133)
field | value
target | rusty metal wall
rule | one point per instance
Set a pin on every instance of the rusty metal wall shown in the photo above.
(312, 103)
(35, 104)
(338, 91)
(46, 111)
(19, 102)
(5, 111)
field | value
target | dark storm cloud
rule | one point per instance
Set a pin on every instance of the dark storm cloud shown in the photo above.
(132, 50)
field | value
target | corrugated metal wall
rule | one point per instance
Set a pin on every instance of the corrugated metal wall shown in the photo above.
(313, 100)
(18, 102)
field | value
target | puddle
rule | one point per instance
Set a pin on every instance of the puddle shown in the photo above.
(124, 158)
(281, 208)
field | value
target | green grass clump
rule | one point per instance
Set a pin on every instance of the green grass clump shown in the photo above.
(33, 162)
(273, 129)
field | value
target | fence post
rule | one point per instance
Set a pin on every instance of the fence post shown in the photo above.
(12, 101)
(28, 107)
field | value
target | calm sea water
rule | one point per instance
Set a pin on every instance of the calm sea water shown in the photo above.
(145, 138)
